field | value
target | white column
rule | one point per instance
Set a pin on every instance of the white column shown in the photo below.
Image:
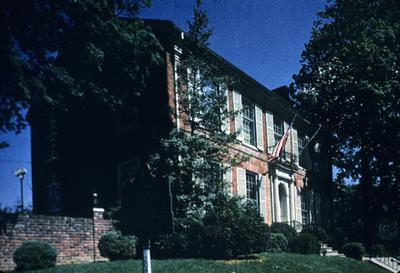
(292, 202)
(290, 197)
(277, 203)
(272, 193)
(287, 202)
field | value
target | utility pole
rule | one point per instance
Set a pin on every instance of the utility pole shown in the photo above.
(20, 173)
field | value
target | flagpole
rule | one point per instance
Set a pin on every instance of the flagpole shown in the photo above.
(291, 125)
(305, 146)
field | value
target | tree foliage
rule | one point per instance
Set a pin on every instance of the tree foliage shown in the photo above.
(198, 152)
(229, 228)
(350, 82)
(346, 214)
(58, 53)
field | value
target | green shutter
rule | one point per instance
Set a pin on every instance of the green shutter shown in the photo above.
(237, 105)
(295, 146)
(259, 128)
(270, 131)
(225, 123)
(286, 155)
(227, 178)
(263, 195)
(241, 182)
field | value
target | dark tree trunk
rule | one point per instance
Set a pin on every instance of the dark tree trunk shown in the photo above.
(367, 200)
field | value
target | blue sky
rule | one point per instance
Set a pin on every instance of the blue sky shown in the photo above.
(16, 156)
(263, 38)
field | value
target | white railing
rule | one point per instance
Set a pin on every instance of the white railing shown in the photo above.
(388, 261)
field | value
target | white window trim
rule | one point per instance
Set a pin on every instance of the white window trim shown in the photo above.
(258, 113)
(241, 187)
(237, 106)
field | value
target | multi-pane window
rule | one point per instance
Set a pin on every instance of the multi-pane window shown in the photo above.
(251, 186)
(304, 208)
(249, 123)
(278, 129)
(278, 132)
(201, 99)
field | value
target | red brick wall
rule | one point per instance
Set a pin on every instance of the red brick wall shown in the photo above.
(257, 162)
(72, 237)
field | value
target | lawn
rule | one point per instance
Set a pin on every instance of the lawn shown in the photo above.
(265, 263)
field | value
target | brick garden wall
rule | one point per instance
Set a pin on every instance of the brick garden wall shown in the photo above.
(72, 237)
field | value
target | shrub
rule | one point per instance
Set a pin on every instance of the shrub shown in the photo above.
(333, 241)
(232, 228)
(228, 227)
(289, 232)
(276, 242)
(354, 250)
(378, 250)
(184, 242)
(305, 243)
(35, 255)
(114, 246)
(318, 231)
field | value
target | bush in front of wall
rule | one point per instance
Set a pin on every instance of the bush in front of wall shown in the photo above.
(232, 227)
(228, 227)
(354, 250)
(114, 246)
(251, 229)
(184, 242)
(33, 255)
(289, 232)
(378, 250)
(317, 231)
(305, 243)
(275, 242)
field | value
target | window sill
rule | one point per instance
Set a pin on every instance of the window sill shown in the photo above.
(300, 167)
(250, 146)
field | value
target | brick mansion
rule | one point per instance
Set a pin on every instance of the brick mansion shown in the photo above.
(294, 189)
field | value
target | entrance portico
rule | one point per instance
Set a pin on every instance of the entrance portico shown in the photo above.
(286, 205)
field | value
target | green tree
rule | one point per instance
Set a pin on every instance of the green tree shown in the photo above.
(198, 152)
(60, 53)
(349, 82)
(346, 214)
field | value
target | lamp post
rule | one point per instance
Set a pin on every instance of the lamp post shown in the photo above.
(20, 173)
(95, 201)
(317, 147)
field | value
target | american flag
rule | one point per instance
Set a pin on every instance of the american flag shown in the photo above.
(276, 153)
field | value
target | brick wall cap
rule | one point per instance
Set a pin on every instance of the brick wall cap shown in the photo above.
(98, 210)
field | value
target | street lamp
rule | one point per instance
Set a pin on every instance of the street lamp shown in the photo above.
(20, 173)
(317, 147)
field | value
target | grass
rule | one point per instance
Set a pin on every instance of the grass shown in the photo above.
(267, 262)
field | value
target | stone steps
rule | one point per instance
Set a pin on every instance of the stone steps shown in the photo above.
(330, 251)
